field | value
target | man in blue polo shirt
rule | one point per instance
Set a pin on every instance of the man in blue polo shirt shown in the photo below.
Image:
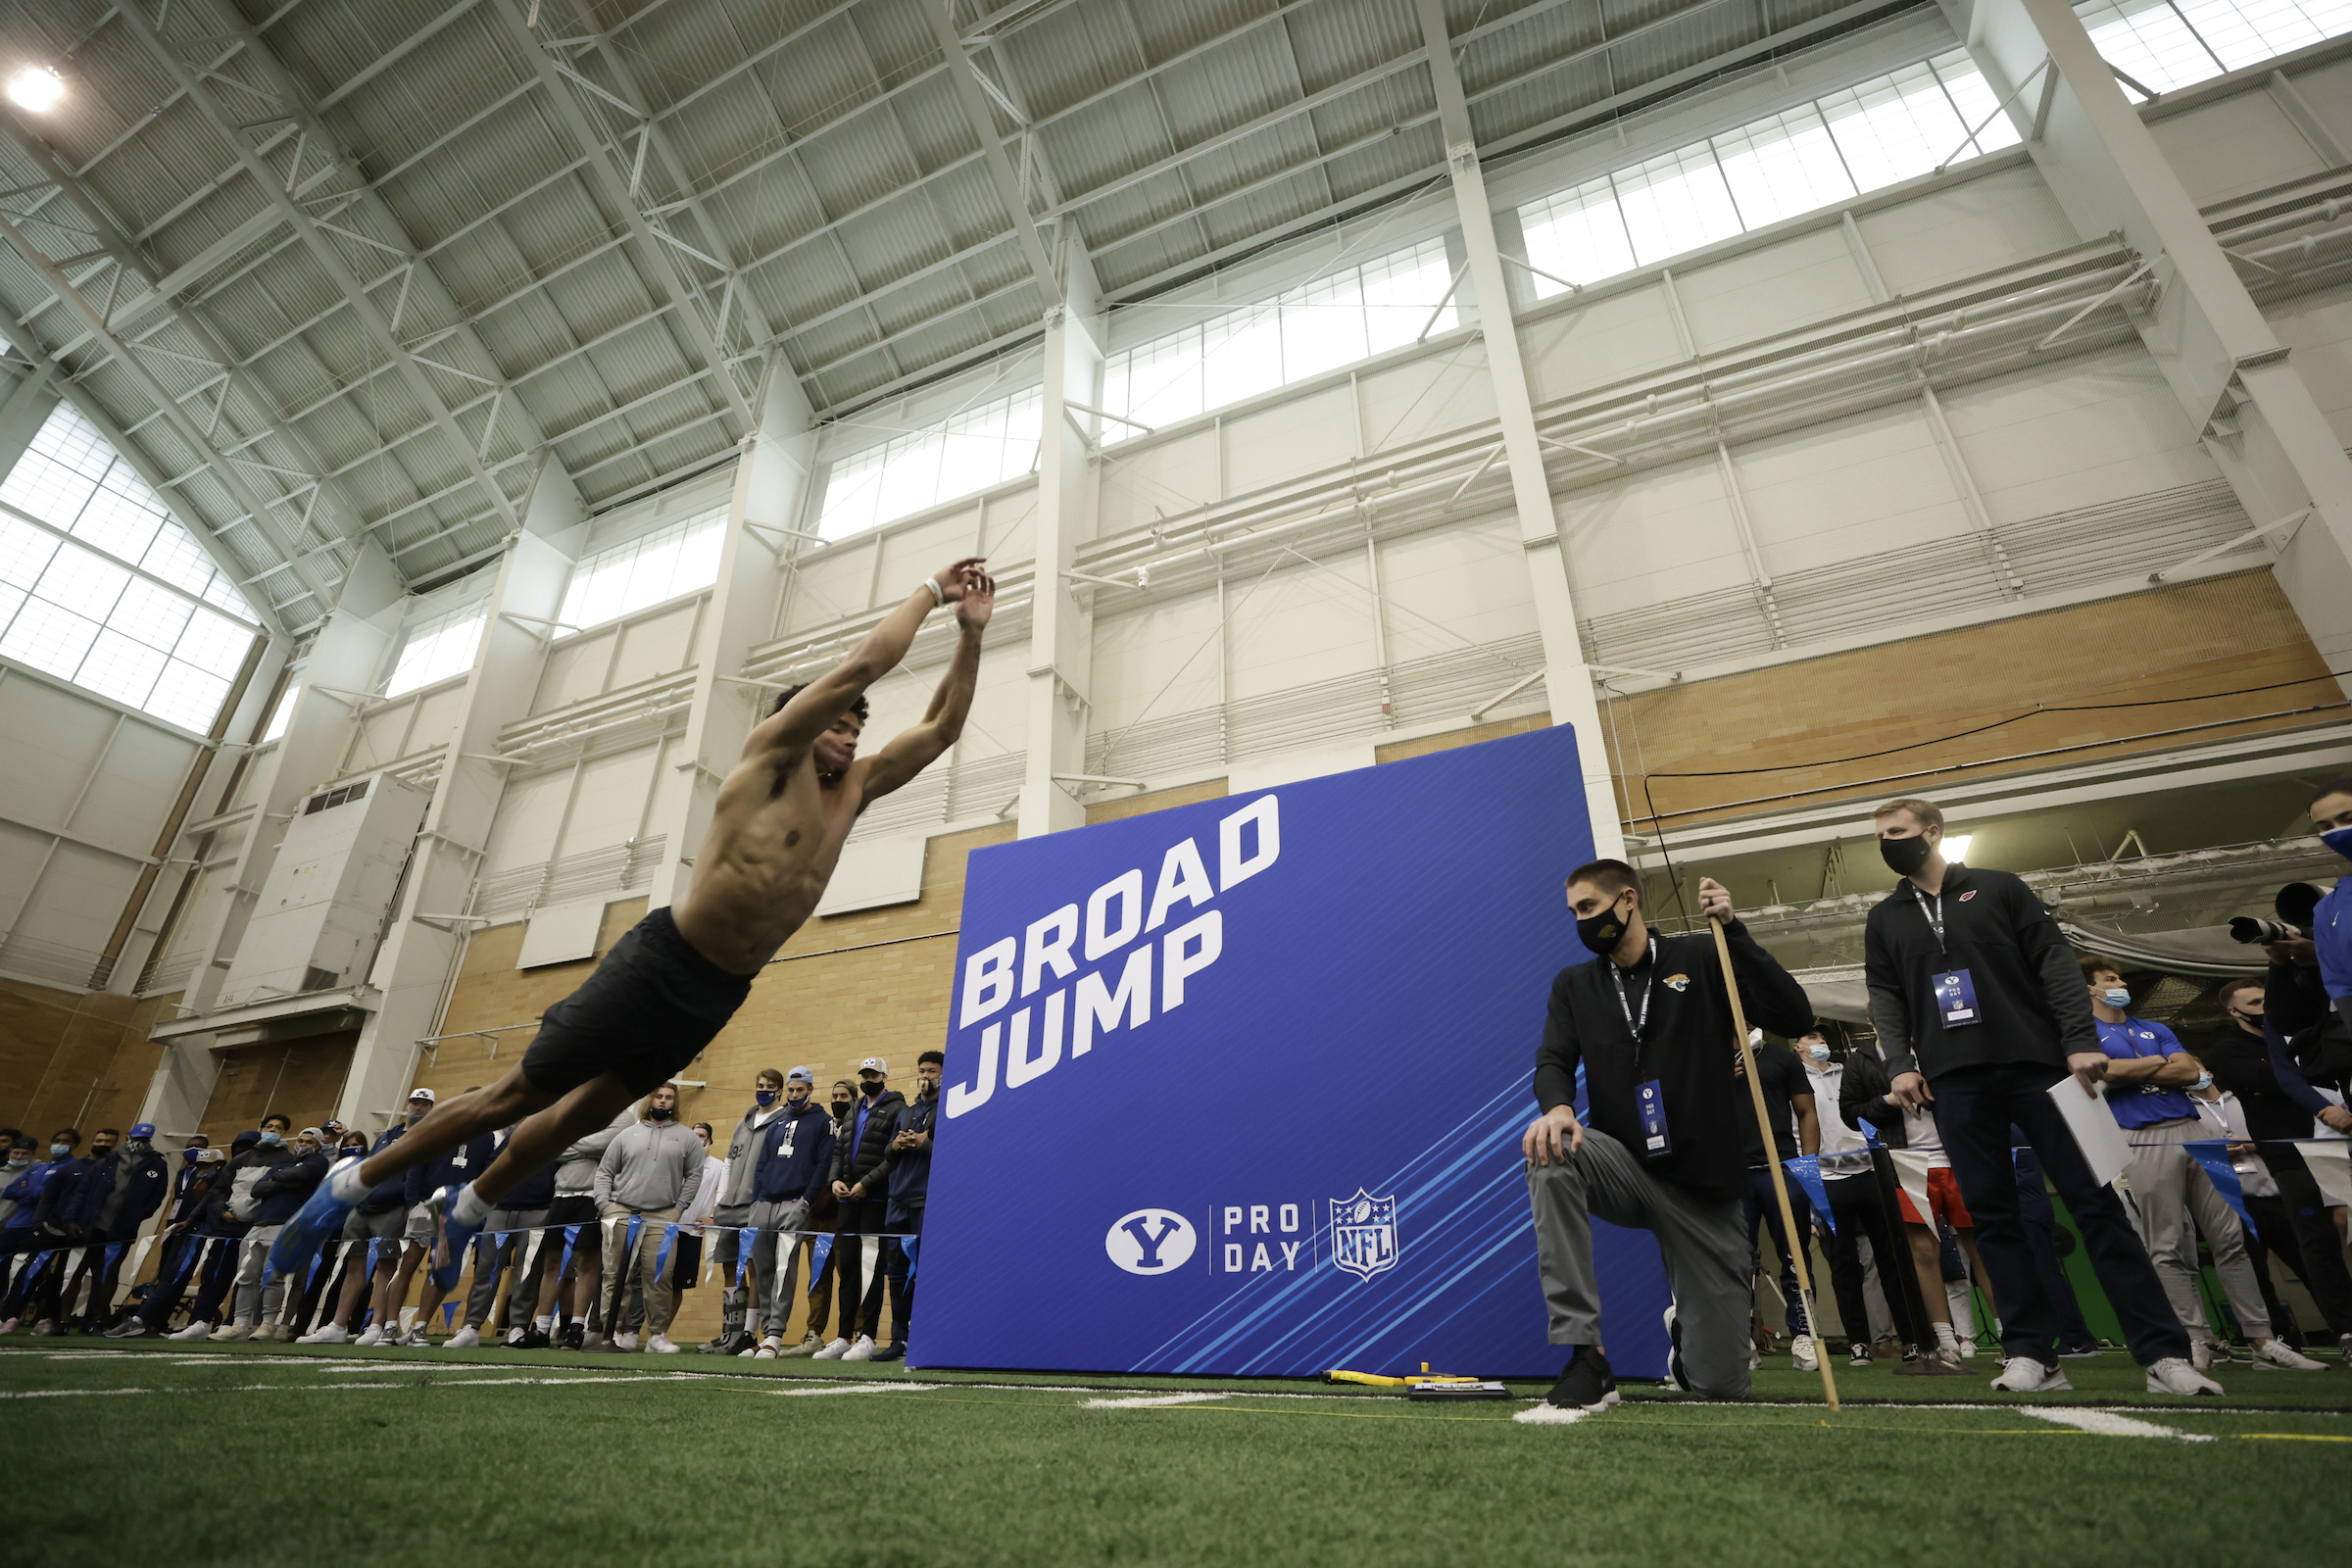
(2147, 1089)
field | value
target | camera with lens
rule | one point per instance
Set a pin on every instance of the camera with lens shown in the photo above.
(2294, 904)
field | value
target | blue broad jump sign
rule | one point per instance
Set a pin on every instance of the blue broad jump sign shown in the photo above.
(1236, 1087)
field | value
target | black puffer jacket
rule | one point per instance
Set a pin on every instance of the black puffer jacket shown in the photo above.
(856, 1158)
(1862, 1096)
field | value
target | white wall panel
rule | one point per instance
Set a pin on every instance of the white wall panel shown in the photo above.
(379, 736)
(437, 715)
(1156, 660)
(1412, 401)
(1290, 438)
(829, 587)
(2239, 144)
(658, 644)
(576, 671)
(1301, 625)
(609, 803)
(21, 852)
(1451, 585)
(667, 783)
(1803, 278)
(2318, 334)
(2004, 216)
(1011, 534)
(1853, 487)
(999, 720)
(529, 814)
(1661, 534)
(53, 740)
(2093, 430)
(1602, 341)
(1142, 483)
(79, 898)
(2328, 89)
(135, 788)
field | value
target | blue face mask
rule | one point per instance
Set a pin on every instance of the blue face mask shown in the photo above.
(2116, 997)
(2338, 839)
(189, 1154)
(60, 1151)
(766, 1096)
(271, 1140)
(2204, 1081)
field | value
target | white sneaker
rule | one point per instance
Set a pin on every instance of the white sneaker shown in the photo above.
(328, 1334)
(659, 1344)
(230, 1333)
(1967, 1349)
(2021, 1374)
(1803, 1354)
(624, 1342)
(2172, 1375)
(862, 1350)
(767, 1351)
(465, 1339)
(833, 1351)
(194, 1331)
(8, 1327)
(2276, 1356)
(371, 1336)
(2200, 1354)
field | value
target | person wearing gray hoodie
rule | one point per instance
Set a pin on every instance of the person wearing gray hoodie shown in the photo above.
(648, 1173)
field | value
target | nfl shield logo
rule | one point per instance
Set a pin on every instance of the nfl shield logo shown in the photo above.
(1363, 1234)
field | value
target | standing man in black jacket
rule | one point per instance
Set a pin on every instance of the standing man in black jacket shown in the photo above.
(1980, 1009)
(1667, 1146)
(909, 1190)
(860, 1155)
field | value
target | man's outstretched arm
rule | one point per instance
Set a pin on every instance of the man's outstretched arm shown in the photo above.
(793, 727)
(914, 750)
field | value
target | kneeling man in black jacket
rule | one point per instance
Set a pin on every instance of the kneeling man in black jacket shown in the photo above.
(1666, 1149)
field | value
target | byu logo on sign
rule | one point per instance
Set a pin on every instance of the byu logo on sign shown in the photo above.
(1151, 1241)
(1363, 1234)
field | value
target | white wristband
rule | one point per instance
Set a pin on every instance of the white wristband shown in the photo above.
(939, 595)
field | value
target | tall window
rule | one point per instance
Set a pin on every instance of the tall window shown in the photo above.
(437, 649)
(677, 559)
(112, 593)
(2163, 45)
(917, 469)
(1368, 309)
(1876, 134)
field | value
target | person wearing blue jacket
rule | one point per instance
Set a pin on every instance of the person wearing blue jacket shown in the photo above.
(115, 1196)
(910, 1187)
(794, 1162)
(60, 1226)
(279, 1193)
(21, 1233)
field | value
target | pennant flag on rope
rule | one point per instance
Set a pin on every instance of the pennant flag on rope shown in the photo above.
(448, 1315)
(744, 1242)
(909, 1243)
(628, 1244)
(2330, 1162)
(2214, 1155)
(1807, 1170)
(571, 1239)
(1911, 1171)
(820, 1250)
(669, 1237)
(130, 1271)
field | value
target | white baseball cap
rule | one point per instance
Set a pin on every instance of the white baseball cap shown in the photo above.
(426, 1095)
(874, 1064)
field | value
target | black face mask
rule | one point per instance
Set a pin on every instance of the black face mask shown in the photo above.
(873, 1090)
(661, 1112)
(1904, 856)
(841, 1107)
(1601, 932)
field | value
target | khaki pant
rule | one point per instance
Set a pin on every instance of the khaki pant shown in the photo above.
(661, 1300)
(2168, 1188)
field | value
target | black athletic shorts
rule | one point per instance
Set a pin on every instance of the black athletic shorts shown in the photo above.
(576, 1211)
(647, 1011)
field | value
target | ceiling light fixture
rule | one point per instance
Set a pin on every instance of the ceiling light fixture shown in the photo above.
(36, 88)
(1955, 846)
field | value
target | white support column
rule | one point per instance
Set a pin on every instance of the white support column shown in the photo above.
(413, 965)
(345, 656)
(770, 478)
(2252, 409)
(1567, 678)
(1061, 632)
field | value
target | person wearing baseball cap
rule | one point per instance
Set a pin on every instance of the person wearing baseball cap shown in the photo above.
(863, 1152)
(120, 1189)
(380, 1215)
(733, 1214)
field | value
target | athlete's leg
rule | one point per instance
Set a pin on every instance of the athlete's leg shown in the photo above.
(453, 1121)
(553, 1125)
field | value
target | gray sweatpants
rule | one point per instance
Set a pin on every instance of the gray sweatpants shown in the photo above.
(2168, 1187)
(506, 1242)
(257, 1302)
(1704, 1242)
(776, 1254)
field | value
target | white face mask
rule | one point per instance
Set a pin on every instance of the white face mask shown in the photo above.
(1817, 1050)
(2116, 997)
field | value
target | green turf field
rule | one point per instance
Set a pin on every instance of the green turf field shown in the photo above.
(258, 1454)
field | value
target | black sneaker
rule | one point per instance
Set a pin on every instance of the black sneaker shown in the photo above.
(576, 1333)
(889, 1352)
(1585, 1382)
(533, 1338)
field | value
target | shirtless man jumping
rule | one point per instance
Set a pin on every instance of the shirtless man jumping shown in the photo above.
(672, 982)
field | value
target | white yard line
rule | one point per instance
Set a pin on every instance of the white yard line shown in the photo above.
(1150, 1400)
(853, 1388)
(2108, 1425)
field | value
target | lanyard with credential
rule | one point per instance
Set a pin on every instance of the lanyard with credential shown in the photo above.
(1933, 910)
(1637, 1023)
(1955, 990)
